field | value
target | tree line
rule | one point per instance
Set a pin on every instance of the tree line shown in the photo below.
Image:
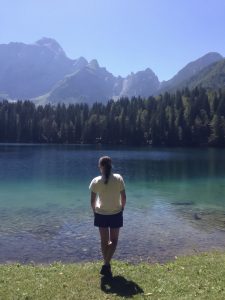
(185, 118)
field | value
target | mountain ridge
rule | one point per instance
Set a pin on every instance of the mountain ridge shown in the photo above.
(191, 69)
(42, 71)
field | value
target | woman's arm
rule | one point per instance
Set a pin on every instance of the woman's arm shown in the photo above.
(123, 198)
(93, 200)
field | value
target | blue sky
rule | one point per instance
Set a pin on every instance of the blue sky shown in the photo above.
(123, 35)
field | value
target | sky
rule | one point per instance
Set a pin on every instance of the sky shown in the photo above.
(123, 35)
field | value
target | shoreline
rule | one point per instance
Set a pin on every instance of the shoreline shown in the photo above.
(117, 260)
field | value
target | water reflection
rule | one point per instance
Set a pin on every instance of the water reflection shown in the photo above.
(189, 166)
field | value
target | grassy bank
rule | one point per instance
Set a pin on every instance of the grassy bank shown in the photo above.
(194, 277)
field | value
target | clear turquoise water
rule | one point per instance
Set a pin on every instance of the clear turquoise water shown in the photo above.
(175, 202)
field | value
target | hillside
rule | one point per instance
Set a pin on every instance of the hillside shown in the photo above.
(192, 69)
(212, 77)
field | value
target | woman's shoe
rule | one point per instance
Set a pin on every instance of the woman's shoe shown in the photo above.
(106, 271)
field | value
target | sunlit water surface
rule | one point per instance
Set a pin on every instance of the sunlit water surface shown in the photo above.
(175, 202)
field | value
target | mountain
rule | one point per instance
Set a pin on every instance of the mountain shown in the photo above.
(190, 70)
(28, 71)
(42, 72)
(143, 83)
(94, 83)
(211, 77)
(88, 84)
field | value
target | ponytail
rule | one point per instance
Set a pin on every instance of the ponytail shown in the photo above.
(106, 163)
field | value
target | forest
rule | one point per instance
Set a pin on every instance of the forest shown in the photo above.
(185, 118)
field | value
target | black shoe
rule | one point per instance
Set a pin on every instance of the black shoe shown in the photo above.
(106, 271)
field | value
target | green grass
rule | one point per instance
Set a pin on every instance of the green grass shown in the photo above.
(192, 277)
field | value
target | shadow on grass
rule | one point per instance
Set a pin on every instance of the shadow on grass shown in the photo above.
(120, 286)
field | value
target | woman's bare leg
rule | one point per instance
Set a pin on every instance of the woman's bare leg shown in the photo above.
(104, 234)
(114, 235)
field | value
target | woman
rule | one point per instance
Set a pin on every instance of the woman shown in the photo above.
(108, 199)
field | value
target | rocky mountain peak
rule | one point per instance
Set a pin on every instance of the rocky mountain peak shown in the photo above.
(80, 63)
(50, 44)
(93, 64)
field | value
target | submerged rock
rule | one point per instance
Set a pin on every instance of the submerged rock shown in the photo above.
(197, 217)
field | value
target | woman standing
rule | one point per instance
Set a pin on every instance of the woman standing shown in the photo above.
(108, 199)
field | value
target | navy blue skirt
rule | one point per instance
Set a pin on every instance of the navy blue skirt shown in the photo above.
(112, 221)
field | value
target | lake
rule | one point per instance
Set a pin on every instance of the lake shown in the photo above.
(175, 202)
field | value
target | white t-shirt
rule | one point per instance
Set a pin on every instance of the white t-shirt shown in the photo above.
(108, 201)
